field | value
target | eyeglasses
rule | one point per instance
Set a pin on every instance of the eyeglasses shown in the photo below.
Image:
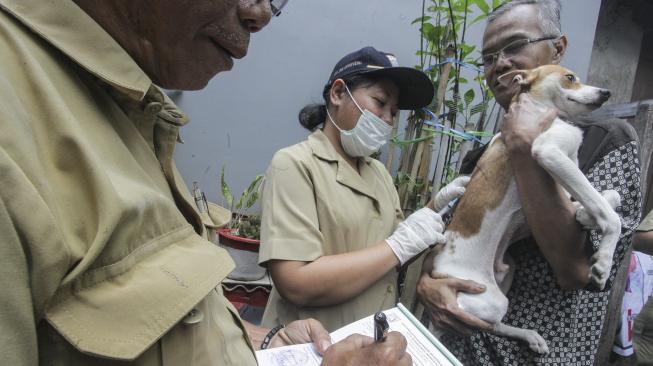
(510, 50)
(276, 6)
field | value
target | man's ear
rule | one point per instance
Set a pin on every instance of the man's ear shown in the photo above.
(559, 49)
(337, 92)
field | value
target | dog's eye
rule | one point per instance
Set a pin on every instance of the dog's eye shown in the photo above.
(571, 78)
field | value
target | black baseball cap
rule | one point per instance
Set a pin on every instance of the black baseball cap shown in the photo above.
(415, 87)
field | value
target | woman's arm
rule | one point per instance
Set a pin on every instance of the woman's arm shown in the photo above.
(332, 279)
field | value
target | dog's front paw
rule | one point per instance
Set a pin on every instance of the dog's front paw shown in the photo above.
(600, 270)
(613, 197)
(584, 218)
(536, 342)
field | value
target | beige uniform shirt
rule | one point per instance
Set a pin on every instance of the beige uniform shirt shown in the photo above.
(315, 204)
(103, 258)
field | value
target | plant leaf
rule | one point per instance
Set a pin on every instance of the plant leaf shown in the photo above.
(469, 96)
(496, 3)
(466, 50)
(475, 20)
(226, 192)
(253, 186)
(239, 204)
(252, 200)
(478, 108)
(421, 19)
(253, 191)
(485, 8)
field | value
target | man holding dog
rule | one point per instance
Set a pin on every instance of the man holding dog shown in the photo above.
(550, 292)
(104, 259)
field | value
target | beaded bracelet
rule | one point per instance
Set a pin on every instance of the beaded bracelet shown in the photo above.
(270, 335)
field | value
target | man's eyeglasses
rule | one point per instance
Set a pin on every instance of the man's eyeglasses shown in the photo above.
(510, 50)
(276, 6)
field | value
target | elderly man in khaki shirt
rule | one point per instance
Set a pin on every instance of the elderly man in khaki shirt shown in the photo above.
(104, 258)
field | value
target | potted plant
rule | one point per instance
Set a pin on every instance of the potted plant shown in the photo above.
(241, 236)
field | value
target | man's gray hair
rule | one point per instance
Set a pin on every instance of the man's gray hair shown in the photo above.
(548, 14)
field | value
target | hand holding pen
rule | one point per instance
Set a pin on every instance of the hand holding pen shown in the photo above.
(381, 327)
(361, 350)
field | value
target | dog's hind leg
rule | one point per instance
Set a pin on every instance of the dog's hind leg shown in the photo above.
(552, 150)
(533, 338)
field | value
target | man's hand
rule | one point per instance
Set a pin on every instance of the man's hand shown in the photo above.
(303, 331)
(526, 119)
(359, 350)
(439, 296)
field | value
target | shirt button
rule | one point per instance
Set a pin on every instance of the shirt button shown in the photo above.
(193, 317)
(390, 288)
(153, 107)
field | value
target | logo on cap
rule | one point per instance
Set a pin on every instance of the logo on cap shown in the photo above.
(392, 59)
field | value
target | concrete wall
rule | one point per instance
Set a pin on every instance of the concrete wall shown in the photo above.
(245, 115)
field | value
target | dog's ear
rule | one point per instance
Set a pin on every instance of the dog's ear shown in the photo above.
(521, 77)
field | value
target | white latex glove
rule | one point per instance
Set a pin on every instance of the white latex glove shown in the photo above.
(450, 192)
(417, 233)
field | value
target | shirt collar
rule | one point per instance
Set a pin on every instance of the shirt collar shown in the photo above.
(322, 147)
(365, 182)
(69, 29)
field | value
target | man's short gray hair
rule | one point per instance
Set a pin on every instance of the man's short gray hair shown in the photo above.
(548, 14)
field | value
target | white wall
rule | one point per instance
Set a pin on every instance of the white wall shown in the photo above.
(245, 115)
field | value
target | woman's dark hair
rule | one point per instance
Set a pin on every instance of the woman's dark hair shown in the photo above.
(315, 114)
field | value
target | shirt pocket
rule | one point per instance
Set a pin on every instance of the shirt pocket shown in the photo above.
(120, 310)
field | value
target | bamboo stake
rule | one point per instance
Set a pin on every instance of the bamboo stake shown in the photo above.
(442, 90)
(391, 147)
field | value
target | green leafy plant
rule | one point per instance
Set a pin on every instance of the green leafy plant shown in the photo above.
(437, 137)
(242, 223)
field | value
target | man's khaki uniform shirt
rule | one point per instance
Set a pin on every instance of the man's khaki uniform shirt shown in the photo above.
(103, 257)
(315, 204)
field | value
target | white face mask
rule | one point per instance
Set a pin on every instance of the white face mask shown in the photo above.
(367, 137)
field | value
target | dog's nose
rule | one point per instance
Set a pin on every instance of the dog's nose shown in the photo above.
(605, 94)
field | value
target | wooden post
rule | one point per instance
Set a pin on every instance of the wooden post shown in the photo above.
(442, 90)
(391, 147)
(465, 147)
(643, 124)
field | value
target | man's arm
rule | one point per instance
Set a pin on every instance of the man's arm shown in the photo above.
(643, 242)
(549, 213)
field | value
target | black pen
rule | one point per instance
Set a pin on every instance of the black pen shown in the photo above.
(380, 327)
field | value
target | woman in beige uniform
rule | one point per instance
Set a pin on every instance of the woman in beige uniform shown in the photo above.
(333, 234)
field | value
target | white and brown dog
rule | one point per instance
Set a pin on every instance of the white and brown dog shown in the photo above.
(489, 216)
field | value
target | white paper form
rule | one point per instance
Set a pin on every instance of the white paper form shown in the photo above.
(423, 348)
